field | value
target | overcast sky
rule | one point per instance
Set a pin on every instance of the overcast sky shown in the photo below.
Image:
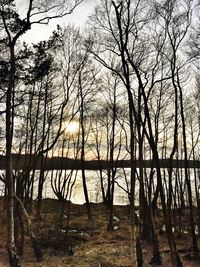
(42, 32)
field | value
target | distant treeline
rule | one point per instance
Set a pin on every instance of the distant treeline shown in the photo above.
(55, 163)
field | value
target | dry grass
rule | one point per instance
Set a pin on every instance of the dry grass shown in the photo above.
(93, 246)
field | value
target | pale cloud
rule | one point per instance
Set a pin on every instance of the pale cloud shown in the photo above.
(42, 32)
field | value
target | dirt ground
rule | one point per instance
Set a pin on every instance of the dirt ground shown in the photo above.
(89, 243)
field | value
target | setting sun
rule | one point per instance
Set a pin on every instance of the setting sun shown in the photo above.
(72, 127)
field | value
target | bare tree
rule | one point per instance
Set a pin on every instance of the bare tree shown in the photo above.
(14, 27)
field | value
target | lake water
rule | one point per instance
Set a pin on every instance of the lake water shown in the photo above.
(77, 196)
(93, 184)
(94, 189)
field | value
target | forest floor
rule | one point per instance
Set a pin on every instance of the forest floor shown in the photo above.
(89, 242)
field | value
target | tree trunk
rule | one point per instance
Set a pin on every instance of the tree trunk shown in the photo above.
(13, 258)
(187, 179)
(85, 190)
(35, 244)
